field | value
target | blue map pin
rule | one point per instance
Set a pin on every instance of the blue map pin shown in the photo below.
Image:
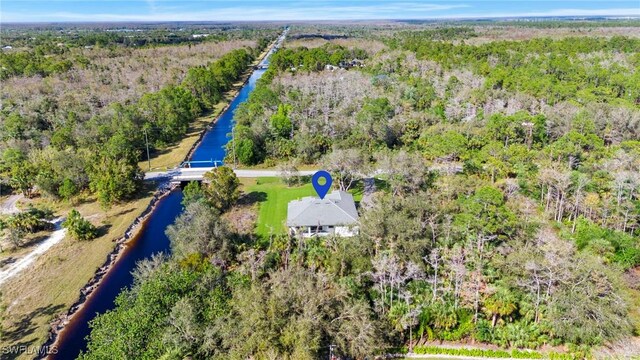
(321, 189)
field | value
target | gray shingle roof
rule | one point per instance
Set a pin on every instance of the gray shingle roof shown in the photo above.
(337, 208)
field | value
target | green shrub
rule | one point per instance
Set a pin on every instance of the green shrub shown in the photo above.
(517, 354)
(31, 220)
(68, 189)
(79, 227)
(514, 354)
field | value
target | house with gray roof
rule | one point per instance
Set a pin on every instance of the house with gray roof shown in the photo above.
(336, 214)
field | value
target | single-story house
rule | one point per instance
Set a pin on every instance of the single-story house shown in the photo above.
(335, 214)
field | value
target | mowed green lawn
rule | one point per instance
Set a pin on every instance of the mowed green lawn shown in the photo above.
(273, 197)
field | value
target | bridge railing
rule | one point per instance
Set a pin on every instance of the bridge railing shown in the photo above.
(187, 164)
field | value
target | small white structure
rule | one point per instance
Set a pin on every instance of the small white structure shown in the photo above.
(336, 214)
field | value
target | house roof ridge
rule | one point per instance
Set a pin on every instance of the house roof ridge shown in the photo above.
(343, 210)
(303, 211)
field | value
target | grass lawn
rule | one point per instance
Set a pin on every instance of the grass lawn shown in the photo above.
(273, 196)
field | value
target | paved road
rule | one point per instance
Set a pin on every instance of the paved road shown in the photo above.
(158, 175)
(192, 173)
(268, 173)
(189, 174)
(9, 206)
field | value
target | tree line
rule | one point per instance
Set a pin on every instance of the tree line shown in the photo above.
(314, 59)
(555, 70)
(104, 159)
(46, 51)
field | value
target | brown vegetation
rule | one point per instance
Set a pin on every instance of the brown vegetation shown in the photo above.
(113, 75)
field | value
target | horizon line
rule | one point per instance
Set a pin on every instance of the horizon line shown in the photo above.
(454, 18)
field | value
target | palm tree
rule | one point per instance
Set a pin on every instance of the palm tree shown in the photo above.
(502, 303)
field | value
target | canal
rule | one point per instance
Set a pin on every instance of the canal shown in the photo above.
(151, 239)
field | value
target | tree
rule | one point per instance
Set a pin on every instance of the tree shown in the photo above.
(450, 145)
(406, 172)
(484, 221)
(199, 230)
(346, 166)
(200, 81)
(296, 313)
(500, 304)
(115, 180)
(243, 146)
(31, 220)
(192, 192)
(484, 213)
(358, 333)
(68, 189)
(221, 187)
(245, 151)
(602, 313)
(148, 311)
(23, 176)
(79, 227)
(280, 122)
(289, 173)
(373, 120)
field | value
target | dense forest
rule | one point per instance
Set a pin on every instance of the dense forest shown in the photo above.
(46, 51)
(507, 210)
(82, 127)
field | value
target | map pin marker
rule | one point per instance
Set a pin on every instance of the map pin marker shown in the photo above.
(322, 189)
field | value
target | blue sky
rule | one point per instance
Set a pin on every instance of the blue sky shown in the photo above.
(226, 10)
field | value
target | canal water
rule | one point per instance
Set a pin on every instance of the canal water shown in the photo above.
(151, 239)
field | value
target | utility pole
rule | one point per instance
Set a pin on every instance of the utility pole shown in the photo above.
(331, 348)
(146, 139)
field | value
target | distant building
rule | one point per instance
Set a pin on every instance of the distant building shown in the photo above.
(351, 63)
(335, 214)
